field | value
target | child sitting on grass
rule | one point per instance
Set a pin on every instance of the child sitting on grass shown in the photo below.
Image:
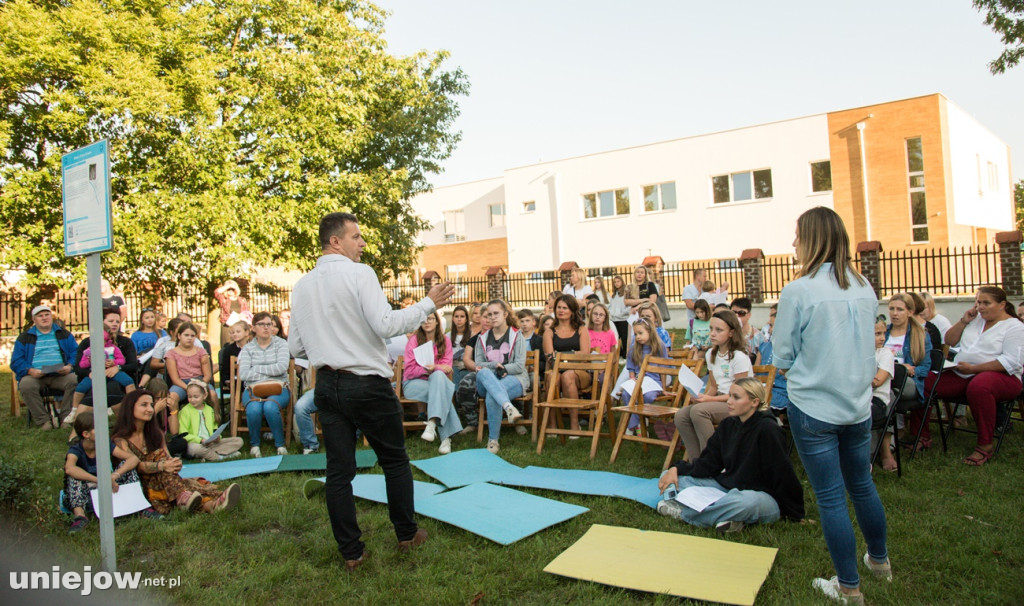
(196, 420)
(80, 473)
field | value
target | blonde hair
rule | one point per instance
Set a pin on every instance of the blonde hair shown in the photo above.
(653, 341)
(607, 319)
(657, 314)
(822, 238)
(633, 290)
(580, 274)
(755, 390)
(914, 327)
(708, 286)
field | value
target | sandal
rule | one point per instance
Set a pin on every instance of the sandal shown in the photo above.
(983, 457)
(960, 422)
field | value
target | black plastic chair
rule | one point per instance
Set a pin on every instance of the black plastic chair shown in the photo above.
(899, 381)
(937, 361)
(1004, 414)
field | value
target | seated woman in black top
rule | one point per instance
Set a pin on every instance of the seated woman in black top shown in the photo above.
(570, 336)
(746, 459)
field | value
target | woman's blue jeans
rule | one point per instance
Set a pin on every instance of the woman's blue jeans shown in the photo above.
(496, 392)
(257, 410)
(836, 458)
(748, 506)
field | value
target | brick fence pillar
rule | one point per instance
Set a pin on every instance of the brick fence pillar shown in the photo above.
(496, 283)
(564, 270)
(870, 267)
(1009, 261)
(430, 278)
(750, 264)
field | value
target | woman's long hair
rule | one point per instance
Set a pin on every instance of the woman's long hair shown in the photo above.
(124, 427)
(736, 342)
(1000, 296)
(455, 332)
(914, 327)
(574, 306)
(439, 337)
(822, 238)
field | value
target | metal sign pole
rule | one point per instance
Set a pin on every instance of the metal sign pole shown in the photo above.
(99, 402)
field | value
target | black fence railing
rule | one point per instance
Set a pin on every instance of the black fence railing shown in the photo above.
(952, 271)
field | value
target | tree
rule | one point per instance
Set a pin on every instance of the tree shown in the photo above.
(1006, 18)
(1018, 203)
(233, 127)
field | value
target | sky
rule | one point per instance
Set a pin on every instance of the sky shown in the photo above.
(561, 78)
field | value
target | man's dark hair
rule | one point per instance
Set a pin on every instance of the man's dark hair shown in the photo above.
(742, 303)
(593, 298)
(333, 224)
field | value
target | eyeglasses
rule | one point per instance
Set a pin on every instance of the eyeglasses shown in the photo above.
(265, 324)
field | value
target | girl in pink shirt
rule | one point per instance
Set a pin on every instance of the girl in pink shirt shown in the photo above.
(602, 336)
(432, 383)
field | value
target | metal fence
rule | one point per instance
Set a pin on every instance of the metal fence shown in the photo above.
(71, 307)
(949, 271)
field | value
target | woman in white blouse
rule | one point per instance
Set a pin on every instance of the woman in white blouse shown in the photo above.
(988, 366)
(577, 286)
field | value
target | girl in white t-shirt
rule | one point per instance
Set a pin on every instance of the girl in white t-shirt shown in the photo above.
(727, 361)
(881, 396)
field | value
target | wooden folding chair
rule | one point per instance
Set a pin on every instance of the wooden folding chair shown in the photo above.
(664, 406)
(407, 424)
(595, 406)
(765, 373)
(528, 401)
(238, 408)
(15, 397)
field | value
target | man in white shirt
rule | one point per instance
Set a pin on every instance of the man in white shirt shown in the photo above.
(692, 291)
(340, 319)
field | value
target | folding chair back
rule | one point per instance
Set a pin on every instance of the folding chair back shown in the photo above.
(665, 406)
(528, 401)
(899, 380)
(603, 366)
(938, 360)
(238, 408)
(410, 407)
(766, 374)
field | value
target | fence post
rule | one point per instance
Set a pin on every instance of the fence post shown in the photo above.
(495, 283)
(750, 265)
(430, 278)
(1009, 261)
(564, 270)
(870, 267)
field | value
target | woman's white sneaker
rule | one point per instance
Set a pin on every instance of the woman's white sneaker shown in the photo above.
(446, 446)
(492, 446)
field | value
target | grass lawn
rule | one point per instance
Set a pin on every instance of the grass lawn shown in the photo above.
(956, 536)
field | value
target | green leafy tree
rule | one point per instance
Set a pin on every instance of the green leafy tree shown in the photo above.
(1006, 18)
(233, 127)
(1018, 203)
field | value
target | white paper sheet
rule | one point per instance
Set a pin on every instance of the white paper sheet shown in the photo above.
(690, 381)
(424, 354)
(127, 500)
(698, 498)
(648, 386)
(216, 434)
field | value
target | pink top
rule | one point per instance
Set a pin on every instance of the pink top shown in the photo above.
(189, 367)
(412, 370)
(110, 350)
(603, 342)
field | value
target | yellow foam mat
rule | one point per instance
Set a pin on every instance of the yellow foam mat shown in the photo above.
(669, 563)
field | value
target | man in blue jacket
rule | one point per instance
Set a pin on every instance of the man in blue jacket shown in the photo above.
(42, 359)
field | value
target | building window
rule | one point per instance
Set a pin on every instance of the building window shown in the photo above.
(993, 177)
(497, 213)
(529, 207)
(737, 187)
(821, 176)
(453, 271)
(660, 197)
(915, 183)
(606, 203)
(454, 226)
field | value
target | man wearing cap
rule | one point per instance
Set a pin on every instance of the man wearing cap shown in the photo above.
(42, 359)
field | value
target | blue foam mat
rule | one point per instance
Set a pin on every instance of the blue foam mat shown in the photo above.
(465, 467)
(236, 468)
(370, 486)
(580, 481)
(496, 513)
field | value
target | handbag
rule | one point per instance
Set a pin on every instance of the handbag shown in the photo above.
(663, 308)
(266, 389)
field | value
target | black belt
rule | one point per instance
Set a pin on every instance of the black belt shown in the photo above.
(341, 370)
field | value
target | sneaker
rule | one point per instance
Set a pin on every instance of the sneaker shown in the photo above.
(468, 430)
(882, 571)
(671, 508)
(228, 499)
(729, 527)
(68, 420)
(230, 456)
(830, 587)
(521, 430)
(352, 565)
(255, 452)
(77, 524)
(417, 539)
(513, 414)
(190, 501)
(151, 514)
(492, 446)
(282, 450)
(445, 447)
(306, 451)
(430, 433)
